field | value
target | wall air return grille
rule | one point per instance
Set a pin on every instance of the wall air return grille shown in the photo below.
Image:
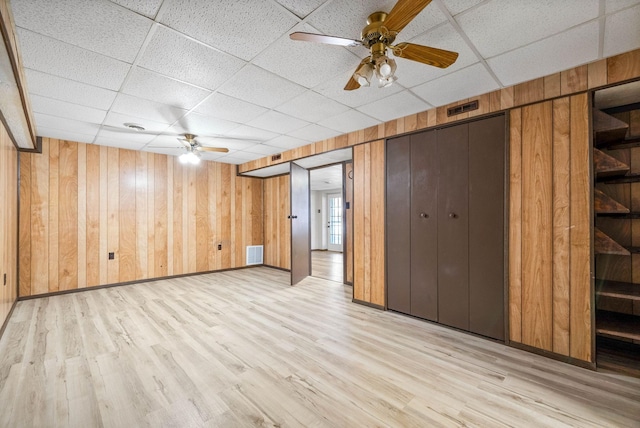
(254, 254)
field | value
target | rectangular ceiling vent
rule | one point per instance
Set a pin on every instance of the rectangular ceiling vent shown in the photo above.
(276, 157)
(473, 105)
(254, 254)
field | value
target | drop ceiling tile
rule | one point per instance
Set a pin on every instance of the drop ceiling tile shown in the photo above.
(468, 82)
(67, 110)
(347, 18)
(245, 156)
(63, 124)
(395, 106)
(194, 123)
(241, 28)
(616, 5)
(50, 86)
(312, 107)
(117, 120)
(164, 151)
(277, 122)
(301, 8)
(314, 62)
(108, 133)
(622, 32)
(232, 160)
(229, 108)
(508, 19)
(151, 86)
(98, 26)
(256, 85)
(148, 8)
(119, 143)
(252, 134)
(231, 144)
(263, 149)
(411, 73)
(351, 120)
(563, 51)
(66, 135)
(64, 60)
(334, 89)
(174, 55)
(144, 109)
(212, 156)
(314, 133)
(287, 142)
(456, 6)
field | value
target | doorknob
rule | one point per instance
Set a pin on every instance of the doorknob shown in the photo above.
(424, 215)
(453, 215)
(292, 216)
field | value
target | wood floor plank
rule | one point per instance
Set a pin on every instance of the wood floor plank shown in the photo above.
(243, 348)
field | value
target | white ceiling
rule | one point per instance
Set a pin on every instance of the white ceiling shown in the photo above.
(220, 68)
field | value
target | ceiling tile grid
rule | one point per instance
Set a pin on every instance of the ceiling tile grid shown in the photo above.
(218, 68)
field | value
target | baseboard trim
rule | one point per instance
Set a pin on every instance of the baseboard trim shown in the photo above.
(137, 281)
(554, 356)
(278, 267)
(371, 305)
(6, 320)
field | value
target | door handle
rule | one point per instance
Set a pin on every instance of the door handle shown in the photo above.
(424, 215)
(292, 216)
(453, 215)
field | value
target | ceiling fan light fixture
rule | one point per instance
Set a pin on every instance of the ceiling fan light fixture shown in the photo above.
(386, 69)
(189, 157)
(363, 74)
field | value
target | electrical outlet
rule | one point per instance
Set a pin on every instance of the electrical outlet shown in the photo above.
(219, 246)
(112, 256)
(5, 279)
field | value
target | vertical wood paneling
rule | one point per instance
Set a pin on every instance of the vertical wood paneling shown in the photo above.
(158, 216)
(25, 214)
(277, 228)
(93, 249)
(54, 203)
(537, 215)
(127, 240)
(550, 223)
(561, 224)
(515, 228)
(113, 212)
(580, 264)
(368, 223)
(9, 222)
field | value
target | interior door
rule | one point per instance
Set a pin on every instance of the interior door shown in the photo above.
(300, 224)
(334, 222)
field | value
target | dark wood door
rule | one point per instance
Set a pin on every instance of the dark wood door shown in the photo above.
(487, 140)
(398, 221)
(300, 224)
(424, 225)
(453, 234)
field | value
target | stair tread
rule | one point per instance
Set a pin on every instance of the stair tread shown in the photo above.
(622, 290)
(619, 325)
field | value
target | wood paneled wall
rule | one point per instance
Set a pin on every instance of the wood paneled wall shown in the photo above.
(277, 227)
(550, 227)
(8, 223)
(79, 202)
(368, 223)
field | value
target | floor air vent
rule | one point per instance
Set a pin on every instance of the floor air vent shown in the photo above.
(254, 254)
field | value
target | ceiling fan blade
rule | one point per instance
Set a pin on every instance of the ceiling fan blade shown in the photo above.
(403, 13)
(351, 84)
(328, 40)
(425, 54)
(185, 142)
(212, 149)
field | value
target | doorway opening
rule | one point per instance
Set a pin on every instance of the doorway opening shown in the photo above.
(327, 223)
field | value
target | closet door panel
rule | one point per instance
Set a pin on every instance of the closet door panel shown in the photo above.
(398, 220)
(424, 225)
(453, 235)
(486, 227)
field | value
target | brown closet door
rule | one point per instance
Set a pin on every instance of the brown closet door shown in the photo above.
(300, 224)
(424, 225)
(486, 227)
(453, 234)
(398, 220)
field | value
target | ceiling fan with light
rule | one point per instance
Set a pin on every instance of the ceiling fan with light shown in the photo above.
(378, 36)
(193, 148)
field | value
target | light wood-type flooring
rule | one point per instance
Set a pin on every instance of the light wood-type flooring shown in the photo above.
(242, 348)
(327, 265)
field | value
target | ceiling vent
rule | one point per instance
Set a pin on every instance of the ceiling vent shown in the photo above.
(463, 108)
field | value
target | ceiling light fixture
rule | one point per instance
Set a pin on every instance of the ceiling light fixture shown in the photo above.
(189, 157)
(383, 66)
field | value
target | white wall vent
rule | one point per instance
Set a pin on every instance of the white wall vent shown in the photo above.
(254, 254)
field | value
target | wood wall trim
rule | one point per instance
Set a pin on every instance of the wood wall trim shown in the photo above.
(597, 74)
(159, 217)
